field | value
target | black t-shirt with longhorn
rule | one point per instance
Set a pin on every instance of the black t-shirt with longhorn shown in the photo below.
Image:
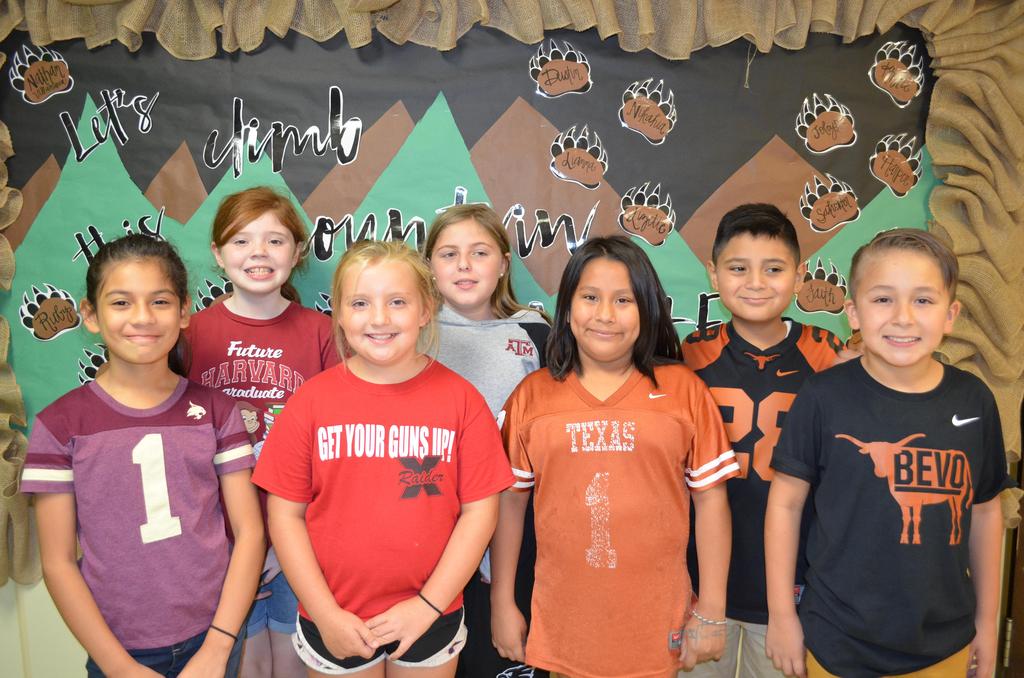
(894, 477)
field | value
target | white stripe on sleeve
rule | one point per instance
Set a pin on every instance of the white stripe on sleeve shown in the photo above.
(49, 475)
(720, 459)
(724, 471)
(232, 454)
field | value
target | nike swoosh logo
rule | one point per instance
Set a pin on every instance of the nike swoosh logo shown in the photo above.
(963, 422)
(655, 396)
(780, 373)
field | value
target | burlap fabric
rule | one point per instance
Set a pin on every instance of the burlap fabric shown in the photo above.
(975, 129)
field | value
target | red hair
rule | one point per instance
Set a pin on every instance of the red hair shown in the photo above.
(244, 207)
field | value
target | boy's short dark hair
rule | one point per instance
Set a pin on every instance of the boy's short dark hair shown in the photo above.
(760, 220)
(911, 240)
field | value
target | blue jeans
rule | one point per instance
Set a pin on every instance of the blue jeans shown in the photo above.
(276, 611)
(169, 661)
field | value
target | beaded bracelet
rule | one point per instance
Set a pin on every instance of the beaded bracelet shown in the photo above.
(704, 620)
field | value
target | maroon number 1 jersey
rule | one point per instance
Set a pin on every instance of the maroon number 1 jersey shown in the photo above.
(146, 487)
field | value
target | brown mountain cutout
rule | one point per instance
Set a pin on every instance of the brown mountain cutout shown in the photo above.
(343, 189)
(34, 194)
(177, 187)
(519, 145)
(788, 173)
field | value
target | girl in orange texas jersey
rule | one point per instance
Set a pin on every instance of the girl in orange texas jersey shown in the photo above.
(615, 437)
(384, 473)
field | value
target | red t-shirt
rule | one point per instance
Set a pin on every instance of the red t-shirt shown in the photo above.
(259, 363)
(384, 469)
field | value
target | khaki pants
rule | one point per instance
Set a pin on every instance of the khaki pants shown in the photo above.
(953, 667)
(743, 657)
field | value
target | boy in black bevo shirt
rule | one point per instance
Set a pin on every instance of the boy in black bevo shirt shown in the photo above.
(902, 458)
(753, 366)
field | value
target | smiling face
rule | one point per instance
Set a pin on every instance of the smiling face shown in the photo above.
(467, 263)
(756, 278)
(604, 316)
(137, 313)
(902, 308)
(381, 314)
(259, 257)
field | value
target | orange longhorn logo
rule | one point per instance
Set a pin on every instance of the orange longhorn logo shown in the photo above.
(919, 476)
(761, 360)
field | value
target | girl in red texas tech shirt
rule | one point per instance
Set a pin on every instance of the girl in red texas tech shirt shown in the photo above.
(384, 473)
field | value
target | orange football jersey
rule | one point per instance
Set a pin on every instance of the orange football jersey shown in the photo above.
(612, 482)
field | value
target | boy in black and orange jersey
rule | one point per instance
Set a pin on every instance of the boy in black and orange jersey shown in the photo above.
(902, 458)
(754, 365)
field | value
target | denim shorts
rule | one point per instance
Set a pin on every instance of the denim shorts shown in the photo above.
(169, 661)
(276, 611)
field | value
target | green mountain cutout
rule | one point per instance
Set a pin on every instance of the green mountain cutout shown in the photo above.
(421, 178)
(96, 191)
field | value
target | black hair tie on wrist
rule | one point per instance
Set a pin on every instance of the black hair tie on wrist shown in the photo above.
(432, 606)
(226, 633)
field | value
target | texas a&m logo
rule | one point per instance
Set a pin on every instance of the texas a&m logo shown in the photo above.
(919, 476)
(520, 347)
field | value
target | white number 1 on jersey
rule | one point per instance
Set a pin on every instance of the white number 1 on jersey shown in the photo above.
(160, 524)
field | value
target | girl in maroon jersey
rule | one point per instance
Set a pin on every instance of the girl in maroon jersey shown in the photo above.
(258, 345)
(139, 467)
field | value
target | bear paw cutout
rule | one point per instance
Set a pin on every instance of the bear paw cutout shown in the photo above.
(828, 206)
(559, 71)
(825, 124)
(579, 157)
(49, 312)
(210, 291)
(898, 72)
(89, 366)
(39, 73)
(645, 215)
(895, 163)
(822, 292)
(648, 111)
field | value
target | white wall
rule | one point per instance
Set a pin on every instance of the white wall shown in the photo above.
(34, 642)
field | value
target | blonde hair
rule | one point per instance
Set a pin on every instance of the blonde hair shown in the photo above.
(243, 207)
(503, 300)
(366, 253)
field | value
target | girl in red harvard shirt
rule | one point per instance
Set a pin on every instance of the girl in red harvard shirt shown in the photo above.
(258, 345)
(384, 473)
